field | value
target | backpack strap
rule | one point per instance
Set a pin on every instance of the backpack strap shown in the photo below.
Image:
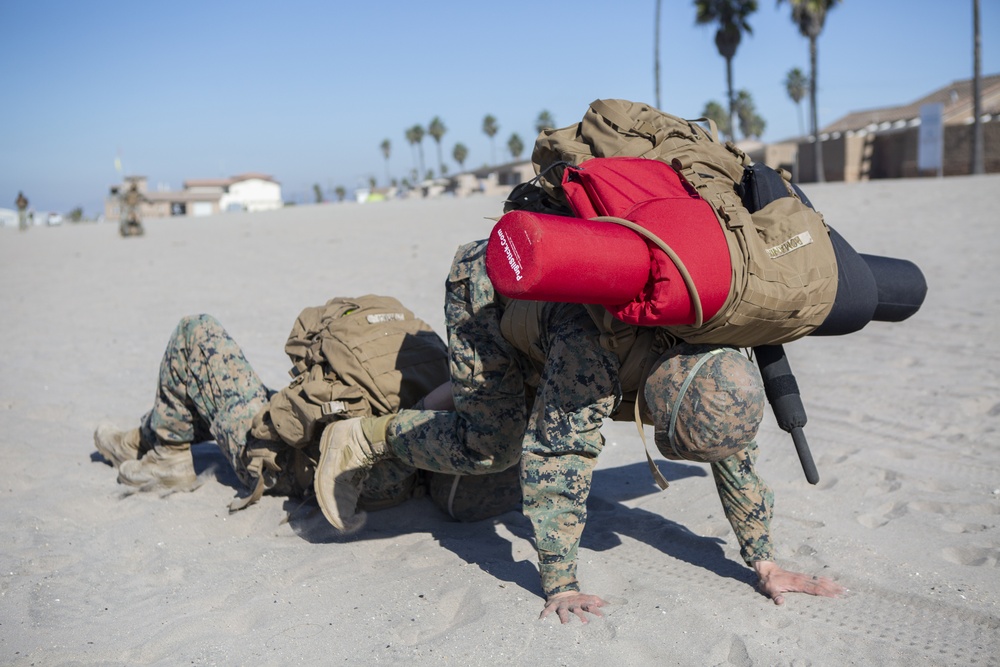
(640, 398)
(623, 121)
(263, 466)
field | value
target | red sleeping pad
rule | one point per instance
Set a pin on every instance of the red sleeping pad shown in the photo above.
(554, 258)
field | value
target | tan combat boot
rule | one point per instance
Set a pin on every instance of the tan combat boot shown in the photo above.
(163, 466)
(348, 450)
(117, 446)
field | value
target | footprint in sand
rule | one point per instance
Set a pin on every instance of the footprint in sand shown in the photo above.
(961, 528)
(973, 556)
(883, 515)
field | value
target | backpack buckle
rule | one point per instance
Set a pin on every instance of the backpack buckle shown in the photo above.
(331, 408)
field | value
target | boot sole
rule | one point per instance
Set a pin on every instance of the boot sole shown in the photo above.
(331, 447)
(167, 482)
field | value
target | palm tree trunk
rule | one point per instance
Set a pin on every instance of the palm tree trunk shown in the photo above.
(814, 84)
(978, 162)
(656, 54)
(732, 99)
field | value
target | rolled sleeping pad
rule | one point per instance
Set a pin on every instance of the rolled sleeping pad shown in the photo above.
(857, 295)
(541, 257)
(901, 287)
(871, 288)
(544, 257)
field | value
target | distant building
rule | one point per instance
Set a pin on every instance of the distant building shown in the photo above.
(882, 143)
(491, 181)
(200, 197)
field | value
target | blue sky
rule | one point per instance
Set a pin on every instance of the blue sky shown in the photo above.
(307, 91)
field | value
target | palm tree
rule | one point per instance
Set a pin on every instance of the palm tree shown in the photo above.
(545, 121)
(731, 15)
(751, 124)
(411, 138)
(490, 129)
(978, 161)
(796, 84)
(715, 112)
(386, 147)
(437, 129)
(341, 192)
(810, 16)
(418, 139)
(460, 153)
(515, 146)
(317, 193)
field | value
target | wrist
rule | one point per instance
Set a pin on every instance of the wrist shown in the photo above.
(763, 567)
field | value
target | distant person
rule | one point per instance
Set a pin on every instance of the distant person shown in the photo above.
(22, 211)
(131, 224)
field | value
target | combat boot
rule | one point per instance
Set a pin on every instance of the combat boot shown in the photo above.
(348, 450)
(118, 446)
(163, 466)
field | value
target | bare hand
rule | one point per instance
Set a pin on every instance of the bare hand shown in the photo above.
(775, 581)
(573, 602)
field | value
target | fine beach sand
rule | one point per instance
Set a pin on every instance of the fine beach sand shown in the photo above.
(903, 424)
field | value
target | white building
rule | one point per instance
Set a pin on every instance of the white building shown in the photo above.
(251, 192)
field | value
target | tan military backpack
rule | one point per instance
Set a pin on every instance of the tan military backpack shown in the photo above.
(784, 269)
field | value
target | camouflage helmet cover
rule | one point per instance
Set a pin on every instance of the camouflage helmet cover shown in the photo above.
(706, 402)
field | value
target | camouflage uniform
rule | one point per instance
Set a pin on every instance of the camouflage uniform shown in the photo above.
(207, 390)
(556, 437)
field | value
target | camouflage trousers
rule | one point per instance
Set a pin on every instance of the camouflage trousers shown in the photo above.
(497, 423)
(207, 390)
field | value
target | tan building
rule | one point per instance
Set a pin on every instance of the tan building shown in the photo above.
(200, 197)
(497, 180)
(883, 143)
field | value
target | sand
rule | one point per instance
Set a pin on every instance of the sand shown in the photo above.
(903, 423)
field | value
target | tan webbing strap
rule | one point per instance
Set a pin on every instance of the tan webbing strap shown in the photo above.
(451, 496)
(256, 468)
(640, 399)
(623, 121)
(711, 126)
(669, 252)
(658, 477)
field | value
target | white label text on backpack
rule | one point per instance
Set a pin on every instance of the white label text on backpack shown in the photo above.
(379, 318)
(797, 241)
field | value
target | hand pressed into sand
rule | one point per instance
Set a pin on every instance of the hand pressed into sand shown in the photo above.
(775, 581)
(573, 602)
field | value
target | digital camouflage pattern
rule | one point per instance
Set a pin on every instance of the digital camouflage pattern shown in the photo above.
(207, 390)
(706, 401)
(748, 503)
(557, 435)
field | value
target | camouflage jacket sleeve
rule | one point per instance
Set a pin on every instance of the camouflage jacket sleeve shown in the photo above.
(578, 390)
(748, 503)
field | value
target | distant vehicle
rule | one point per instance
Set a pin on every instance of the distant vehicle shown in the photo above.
(52, 219)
